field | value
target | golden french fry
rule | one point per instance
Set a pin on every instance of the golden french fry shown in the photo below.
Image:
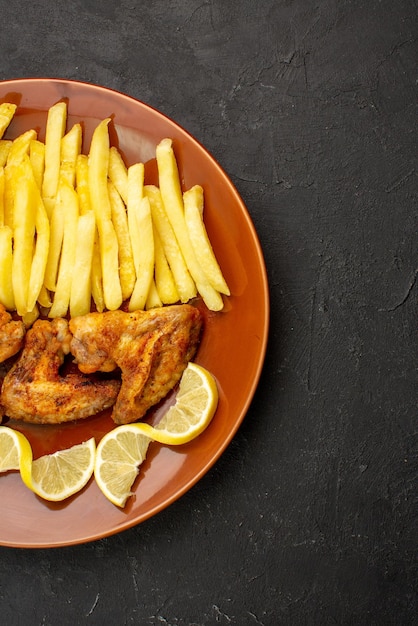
(143, 235)
(100, 202)
(98, 170)
(37, 159)
(126, 262)
(193, 213)
(80, 296)
(184, 282)
(40, 255)
(1, 196)
(153, 298)
(57, 219)
(135, 194)
(164, 280)
(5, 145)
(20, 146)
(55, 129)
(82, 181)
(61, 299)
(172, 196)
(44, 298)
(6, 261)
(30, 317)
(7, 111)
(70, 149)
(96, 276)
(23, 239)
(118, 173)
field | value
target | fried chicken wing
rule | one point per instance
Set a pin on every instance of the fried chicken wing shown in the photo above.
(34, 391)
(12, 334)
(151, 348)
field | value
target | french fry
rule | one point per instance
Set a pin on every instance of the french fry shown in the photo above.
(5, 145)
(183, 280)
(7, 111)
(169, 181)
(1, 196)
(164, 280)
(145, 256)
(6, 261)
(118, 173)
(127, 272)
(70, 149)
(23, 239)
(37, 159)
(96, 276)
(193, 213)
(135, 194)
(57, 219)
(20, 146)
(99, 197)
(40, 255)
(153, 298)
(82, 182)
(80, 296)
(44, 298)
(55, 129)
(61, 299)
(30, 317)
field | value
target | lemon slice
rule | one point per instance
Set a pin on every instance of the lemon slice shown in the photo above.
(122, 450)
(54, 476)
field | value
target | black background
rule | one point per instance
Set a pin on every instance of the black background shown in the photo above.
(310, 107)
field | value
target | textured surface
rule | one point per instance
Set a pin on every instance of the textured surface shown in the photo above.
(308, 518)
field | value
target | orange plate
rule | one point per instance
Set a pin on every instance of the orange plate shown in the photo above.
(232, 348)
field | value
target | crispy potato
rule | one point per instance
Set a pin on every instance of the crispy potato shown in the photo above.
(173, 202)
(143, 237)
(61, 299)
(1, 196)
(96, 276)
(37, 159)
(57, 219)
(55, 129)
(153, 298)
(20, 146)
(118, 173)
(82, 182)
(7, 111)
(6, 262)
(164, 280)
(193, 213)
(44, 298)
(80, 296)
(183, 280)
(127, 272)
(99, 197)
(5, 145)
(135, 193)
(70, 149)
(30, 317)
(40, 255)
(23, 239)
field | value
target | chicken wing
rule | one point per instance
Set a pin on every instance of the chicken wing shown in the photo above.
(34, 391)
(151, 348)
(12, 334)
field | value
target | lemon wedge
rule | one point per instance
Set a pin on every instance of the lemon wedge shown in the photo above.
(122, 450)
(53, 477)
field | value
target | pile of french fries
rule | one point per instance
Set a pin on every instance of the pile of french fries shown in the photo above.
(78, 229)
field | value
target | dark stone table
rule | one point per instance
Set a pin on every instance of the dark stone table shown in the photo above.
(310, 107)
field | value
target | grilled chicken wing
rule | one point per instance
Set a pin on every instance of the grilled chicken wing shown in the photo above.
(12, 334)
(33, 389)
(152, 349)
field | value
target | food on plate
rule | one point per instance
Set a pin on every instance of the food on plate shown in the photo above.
(12, 333)
(149, 247)
(35, 391)
(53, 477)
(121, 451)
(151, 348)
